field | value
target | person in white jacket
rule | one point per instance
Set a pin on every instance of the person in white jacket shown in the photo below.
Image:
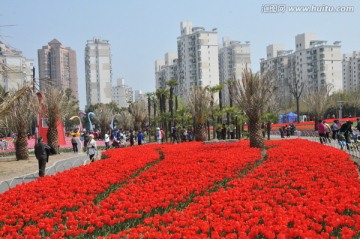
(107, 141)
(91, 148)
(158, 136)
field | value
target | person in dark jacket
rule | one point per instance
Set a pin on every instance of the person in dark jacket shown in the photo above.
(223, 132)
(42, 154)
(345, 131)
(132, 138)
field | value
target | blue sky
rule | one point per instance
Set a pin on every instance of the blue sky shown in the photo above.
(142, 31)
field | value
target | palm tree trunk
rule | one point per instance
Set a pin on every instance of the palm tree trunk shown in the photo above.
(171, 108)
(52, 136)
(21, 149)
(200, 133)
(256, 139)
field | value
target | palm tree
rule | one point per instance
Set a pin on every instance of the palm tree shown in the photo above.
(138, 111)
(149, 106)
(154, 101)
(125, 119)
(70, 107)
(18, 109)
(162, 94)
(212, 91)
(3, 94)
(230, 87)
(103, 114)
(52, 101)
(172, 84)
(253, 93)
(199, 106)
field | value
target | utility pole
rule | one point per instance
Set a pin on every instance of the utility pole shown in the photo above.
(33, 79)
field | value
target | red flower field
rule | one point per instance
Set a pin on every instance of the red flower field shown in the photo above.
(301, 189)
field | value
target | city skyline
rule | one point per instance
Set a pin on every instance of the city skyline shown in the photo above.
(142, 32)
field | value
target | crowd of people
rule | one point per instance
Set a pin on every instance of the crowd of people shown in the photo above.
(345, 133)
(287, 130)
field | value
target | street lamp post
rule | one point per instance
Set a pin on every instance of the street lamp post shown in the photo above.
(341, 104)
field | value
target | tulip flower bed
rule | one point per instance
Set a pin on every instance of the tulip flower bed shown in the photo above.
(86, 207)
(302, 190)
(27, 208)
(192, 190)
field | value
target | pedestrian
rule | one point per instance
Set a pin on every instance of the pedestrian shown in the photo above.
(91, 148)
(345, 132)
(328, 131)
(263, 129)
(74, 143)
(174, 134)
(321, 131)
(223, 132)
(132, 138)
(158, 135)
(123, 139)
(144, 136)
(335, 129)
(107, 141)
(185, 134)
(281, 130)
(116, 143)
(86, 140)
(140, 138)
(288, 131)
(42, 155)
(162, 135)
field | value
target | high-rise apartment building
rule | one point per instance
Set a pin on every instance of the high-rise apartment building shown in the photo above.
(139, 96)
(15, 69)
(198, 63)
(166, 70)
(314, 63)
(98, 72)
(234, 57)
(122, 94)
(351, 71)
(57, 67)
(281, 62)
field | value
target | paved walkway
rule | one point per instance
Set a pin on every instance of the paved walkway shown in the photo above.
(10, 168)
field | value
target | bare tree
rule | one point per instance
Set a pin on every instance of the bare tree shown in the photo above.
(354, 99)
(296, 89)
(253, 93)
(199, 105)
(318, 100)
